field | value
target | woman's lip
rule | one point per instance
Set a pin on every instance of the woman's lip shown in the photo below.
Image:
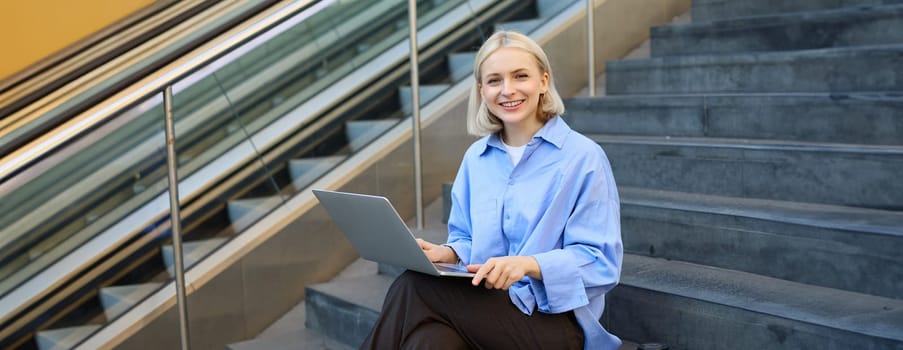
(519, 103)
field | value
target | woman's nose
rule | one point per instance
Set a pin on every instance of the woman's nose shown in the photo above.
(507, 87)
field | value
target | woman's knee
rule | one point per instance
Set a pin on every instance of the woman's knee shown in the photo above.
(406, 284)
(407, 279)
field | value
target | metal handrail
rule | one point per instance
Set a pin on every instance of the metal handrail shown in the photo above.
(16, 161)
(175, 218)
(590, 48)
(415, 115)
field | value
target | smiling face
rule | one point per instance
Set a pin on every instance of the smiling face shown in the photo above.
(511, 82)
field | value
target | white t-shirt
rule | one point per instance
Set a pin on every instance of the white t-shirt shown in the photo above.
(515, 152)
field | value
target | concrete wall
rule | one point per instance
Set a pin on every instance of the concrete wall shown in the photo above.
(33, 30)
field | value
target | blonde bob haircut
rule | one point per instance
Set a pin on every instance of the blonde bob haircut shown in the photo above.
(480, 121)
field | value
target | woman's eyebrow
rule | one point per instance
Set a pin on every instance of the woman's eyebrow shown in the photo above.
(518, 70)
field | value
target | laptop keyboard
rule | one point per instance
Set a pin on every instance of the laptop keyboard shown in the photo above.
(450, 267)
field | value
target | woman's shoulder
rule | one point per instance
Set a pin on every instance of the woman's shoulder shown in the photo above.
(581, 144)
(584, 152)
(478, 147)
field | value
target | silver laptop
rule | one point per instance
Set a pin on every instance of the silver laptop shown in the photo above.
(379, 234)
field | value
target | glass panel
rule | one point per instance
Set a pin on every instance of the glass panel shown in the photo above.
(83, 196)
(89, 197)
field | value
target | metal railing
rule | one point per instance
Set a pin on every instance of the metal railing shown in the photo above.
(590, 48)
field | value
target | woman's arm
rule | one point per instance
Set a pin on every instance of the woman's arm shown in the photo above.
(589, 261)
(459, 221)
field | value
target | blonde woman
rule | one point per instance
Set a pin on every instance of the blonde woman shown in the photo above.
(535, 214)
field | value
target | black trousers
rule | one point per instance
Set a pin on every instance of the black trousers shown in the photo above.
(426, 312)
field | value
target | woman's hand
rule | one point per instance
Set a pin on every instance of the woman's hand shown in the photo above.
(438, 253)
(502, 272)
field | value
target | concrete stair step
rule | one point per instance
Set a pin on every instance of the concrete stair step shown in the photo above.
(63, 338)
(823, 245)
(691, 306)
(427, 94)
(299, 339)
(362, 132)
(244, 212)
(346, 309)
(864, 68)
(708, 10)
(119, 299)
(859, 118)
(307, 170)
(289, 331)
(839, 174)
(193, 252)
(851, 26)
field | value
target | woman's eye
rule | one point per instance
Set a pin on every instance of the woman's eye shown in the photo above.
(492, 81)
(521, 76)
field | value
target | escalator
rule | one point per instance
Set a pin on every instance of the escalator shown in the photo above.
(85, 231)
(60, 87)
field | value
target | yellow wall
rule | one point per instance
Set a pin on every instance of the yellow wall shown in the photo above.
(31, 30)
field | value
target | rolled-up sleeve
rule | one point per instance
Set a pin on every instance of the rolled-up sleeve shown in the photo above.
(589, 261)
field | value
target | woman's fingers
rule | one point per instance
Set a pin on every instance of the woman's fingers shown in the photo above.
(494, 274)
(498, 273)
(479, 274)
(429, 249)
(508, 281)
(474, 267)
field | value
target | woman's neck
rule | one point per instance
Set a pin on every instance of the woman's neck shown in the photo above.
(520, 134)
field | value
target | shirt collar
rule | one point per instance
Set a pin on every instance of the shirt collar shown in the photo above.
(554, 131)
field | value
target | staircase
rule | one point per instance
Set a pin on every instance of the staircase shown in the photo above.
(757, 154)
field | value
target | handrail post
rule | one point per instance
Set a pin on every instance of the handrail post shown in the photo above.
(590, 49)
(415, 100)
(175, 218)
